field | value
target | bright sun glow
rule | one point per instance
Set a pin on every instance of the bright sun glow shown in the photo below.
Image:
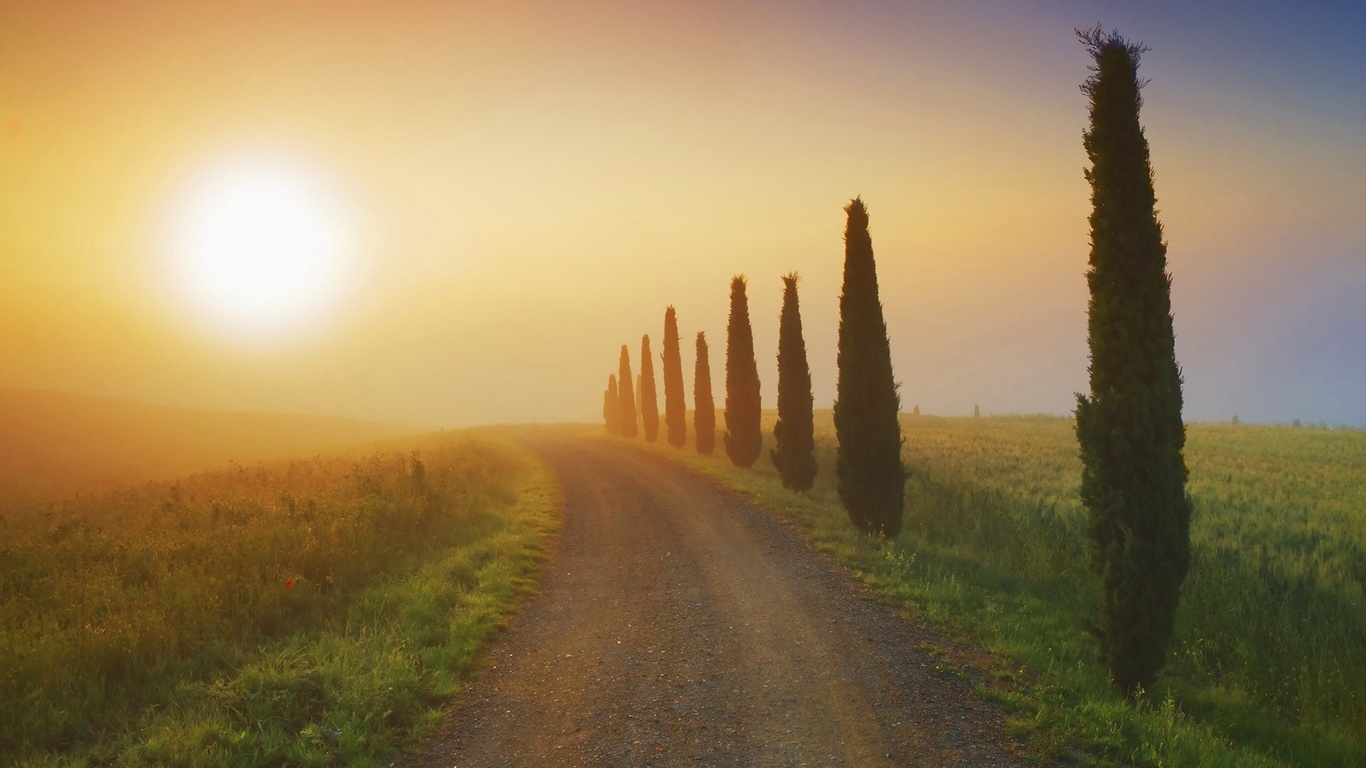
(258, 248)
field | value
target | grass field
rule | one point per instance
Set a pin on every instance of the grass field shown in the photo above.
(1270, 660)
(315, 612)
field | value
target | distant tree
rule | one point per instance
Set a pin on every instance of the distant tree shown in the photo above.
(649, 404)
(704, 407)
(611, 406)
(868, 464)
(675, 404)
(1235, 420)
(1295, 424)
(744, 437)
(627, 396)
(915, 411)
(976, 411)
(794, 433)
(1133, 480)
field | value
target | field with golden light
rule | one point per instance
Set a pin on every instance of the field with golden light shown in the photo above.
(292, 611)
(325, 608)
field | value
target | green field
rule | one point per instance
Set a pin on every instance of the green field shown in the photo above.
(1270, 660)
(322, 611)
(311, 612)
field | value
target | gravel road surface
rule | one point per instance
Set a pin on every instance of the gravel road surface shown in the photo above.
(677, 624)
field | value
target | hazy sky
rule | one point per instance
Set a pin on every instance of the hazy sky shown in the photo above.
(528, 185)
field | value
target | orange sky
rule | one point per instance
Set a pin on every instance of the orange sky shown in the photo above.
(531, 184)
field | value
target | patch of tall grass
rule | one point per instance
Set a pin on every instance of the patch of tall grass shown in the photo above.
(312, 612)
(1269, 666)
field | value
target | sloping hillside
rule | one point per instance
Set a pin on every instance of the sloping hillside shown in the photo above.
(55, 443)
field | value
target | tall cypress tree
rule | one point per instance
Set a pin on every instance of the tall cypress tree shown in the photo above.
(675, 406)
(744, 437)
(1133, 480)
(795, 456)
(611, 406)
(627, 397)
(649, 404)
(868, 463)
(704, 407)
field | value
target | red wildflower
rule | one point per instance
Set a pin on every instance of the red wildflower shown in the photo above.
(289, 583)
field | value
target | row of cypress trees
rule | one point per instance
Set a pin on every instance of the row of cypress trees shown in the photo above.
(619, 400)
(1129, 426)
(868, 463)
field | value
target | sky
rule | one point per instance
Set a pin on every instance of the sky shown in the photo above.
(524, 187)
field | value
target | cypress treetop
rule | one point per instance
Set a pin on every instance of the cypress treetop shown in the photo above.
(649, 404)
(675, 404)
(794, 434)
(1129, 427)
(704, 408)
(744, 437)
(627, 396)
(868, 463)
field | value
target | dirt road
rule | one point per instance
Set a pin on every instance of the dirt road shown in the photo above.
(679, 625)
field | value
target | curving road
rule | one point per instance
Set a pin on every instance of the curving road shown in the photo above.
(677, 624)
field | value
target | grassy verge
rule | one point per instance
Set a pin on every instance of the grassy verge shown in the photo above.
(313, 612)
(1270, 663)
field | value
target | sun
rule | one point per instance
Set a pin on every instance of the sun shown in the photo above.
(258, 247)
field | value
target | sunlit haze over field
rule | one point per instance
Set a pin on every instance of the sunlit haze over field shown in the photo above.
(453, 213)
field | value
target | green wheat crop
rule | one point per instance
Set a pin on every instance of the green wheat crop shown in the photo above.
(1269, 665)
